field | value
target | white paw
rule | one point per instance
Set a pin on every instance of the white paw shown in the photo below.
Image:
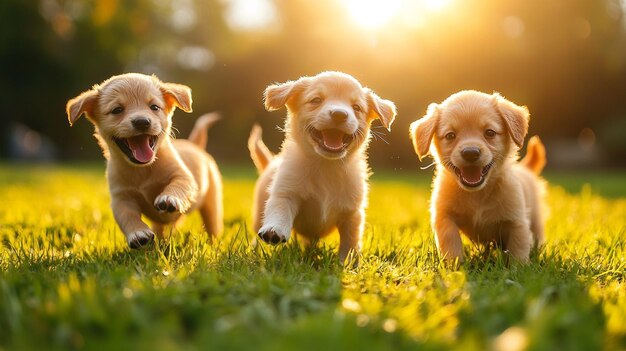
(140, 238)
(273, 235)
(168, 203)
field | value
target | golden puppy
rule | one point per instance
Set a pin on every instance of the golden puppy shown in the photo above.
(148, 172)
(480, 189)
(318, 182)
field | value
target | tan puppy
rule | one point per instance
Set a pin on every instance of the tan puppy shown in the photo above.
(148, 172)
(318, 182)
(479, 188)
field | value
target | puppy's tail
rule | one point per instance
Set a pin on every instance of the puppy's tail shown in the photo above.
(535, 158)
(260, 154)
(198, 134)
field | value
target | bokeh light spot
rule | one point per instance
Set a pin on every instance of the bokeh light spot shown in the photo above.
(513, 26)
(183, 15)
(195, 58)
(587, 139)
(249, 14)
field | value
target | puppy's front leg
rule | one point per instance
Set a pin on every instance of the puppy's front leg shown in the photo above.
(127, 214)
(280, 211)
(519, 241)
(448, 239)
(350, 233)
(178, 195)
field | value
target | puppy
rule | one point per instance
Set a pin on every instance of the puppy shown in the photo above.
(318, 182)
(148, 172)
(479, 188)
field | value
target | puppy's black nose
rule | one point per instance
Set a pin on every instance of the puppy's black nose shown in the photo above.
(339, 116)
(470, 154)
(141, 123)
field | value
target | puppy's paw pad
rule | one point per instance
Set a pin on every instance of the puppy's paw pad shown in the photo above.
(167, 203)
(272, 237)
(140, 238)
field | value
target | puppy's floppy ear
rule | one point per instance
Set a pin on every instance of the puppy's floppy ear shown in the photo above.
(276, 96)
(515, 117)
(83, 103)
(385, 110)
(423, 130)
(177, 95)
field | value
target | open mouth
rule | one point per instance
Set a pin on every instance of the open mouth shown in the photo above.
(332, 141)
(139, 149)
(472, 176)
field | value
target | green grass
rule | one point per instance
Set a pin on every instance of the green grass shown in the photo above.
(67, 280)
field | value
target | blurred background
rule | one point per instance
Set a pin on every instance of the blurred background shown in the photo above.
(564, 59)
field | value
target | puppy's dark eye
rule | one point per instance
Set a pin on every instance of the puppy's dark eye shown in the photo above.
(117, 110)
(154, 107)
(450, 136)
(315, 100)
(356, 108)
(490, 133)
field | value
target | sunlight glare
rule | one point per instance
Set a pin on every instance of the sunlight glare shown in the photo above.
(372, 13)
(436, 5)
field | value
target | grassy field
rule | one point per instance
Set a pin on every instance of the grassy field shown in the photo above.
(68, 281)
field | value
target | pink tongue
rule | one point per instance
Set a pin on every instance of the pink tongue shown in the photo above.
(140, 146)
(471, 174)
(333, 138)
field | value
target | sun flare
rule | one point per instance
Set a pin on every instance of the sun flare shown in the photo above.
(374, 14)
(436, 5)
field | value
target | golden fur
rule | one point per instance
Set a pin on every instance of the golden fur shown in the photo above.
(480, 189)
(148, 172)
(318, 182)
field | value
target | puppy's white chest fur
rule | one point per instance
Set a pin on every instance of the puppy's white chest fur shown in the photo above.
(330, 194)
(482, 215)
(481, 221)
(325, 191)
